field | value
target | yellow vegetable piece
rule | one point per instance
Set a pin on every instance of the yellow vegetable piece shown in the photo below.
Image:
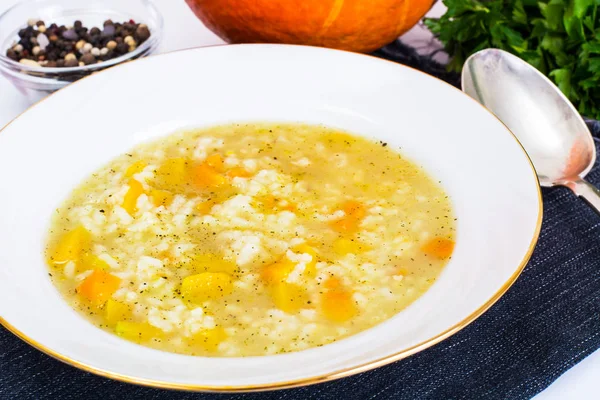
(305, 248)
(205, 177)
(338, 305)
(343, 246)
(211, 263)
(71, 246)
(137, 331)
(130, 201)
(289, 297)
(215, 161)
(161, 197)
(135, 168)
(99, 287)
(238, 172)
(204, 207)
(173, 173)
(116, 311)
(278, 271)
(91, 261)
(439, 247)
(206, 286)
(209, 339)
(311, 266)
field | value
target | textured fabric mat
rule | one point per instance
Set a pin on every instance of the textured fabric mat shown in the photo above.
(546, 323)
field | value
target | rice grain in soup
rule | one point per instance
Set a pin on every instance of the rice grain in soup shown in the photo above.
(250, 239)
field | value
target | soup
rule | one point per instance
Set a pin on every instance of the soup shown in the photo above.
(250, 239)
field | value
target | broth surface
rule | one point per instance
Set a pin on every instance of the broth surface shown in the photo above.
(250, 239)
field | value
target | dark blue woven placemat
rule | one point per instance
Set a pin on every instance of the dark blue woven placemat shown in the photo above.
(546, 323)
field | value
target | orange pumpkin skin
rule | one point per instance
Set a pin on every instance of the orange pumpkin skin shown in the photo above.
(354, 25)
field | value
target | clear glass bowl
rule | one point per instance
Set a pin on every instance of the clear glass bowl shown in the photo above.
(37, 82)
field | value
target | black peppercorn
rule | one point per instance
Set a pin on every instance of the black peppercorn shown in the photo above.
(10, 53)
(52, 55)
(142, 33)
(95, 40)
(88, 59)
(122, 48)
(71, 63)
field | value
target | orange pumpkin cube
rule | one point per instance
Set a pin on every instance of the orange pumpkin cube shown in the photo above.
(333, 283)
(345, 225)
(354, 212)
(204, 177)
(277, 272)
(99, 286)
(439, 247)
(338, 306)
(354, 208)
(238, 172)
(215, 161)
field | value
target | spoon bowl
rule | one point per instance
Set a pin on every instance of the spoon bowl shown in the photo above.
(548, 126)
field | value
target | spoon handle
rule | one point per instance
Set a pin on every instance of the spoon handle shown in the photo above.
(587, 192)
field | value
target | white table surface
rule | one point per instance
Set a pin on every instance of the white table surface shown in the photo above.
(580, 382)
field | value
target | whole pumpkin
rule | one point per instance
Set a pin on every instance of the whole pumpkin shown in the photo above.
(355, 25)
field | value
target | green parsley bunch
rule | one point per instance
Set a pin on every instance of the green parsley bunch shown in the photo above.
(561, 38)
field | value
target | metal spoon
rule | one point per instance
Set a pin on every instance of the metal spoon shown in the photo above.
(550, 129)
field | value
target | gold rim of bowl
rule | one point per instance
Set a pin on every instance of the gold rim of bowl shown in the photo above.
(342, 373)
